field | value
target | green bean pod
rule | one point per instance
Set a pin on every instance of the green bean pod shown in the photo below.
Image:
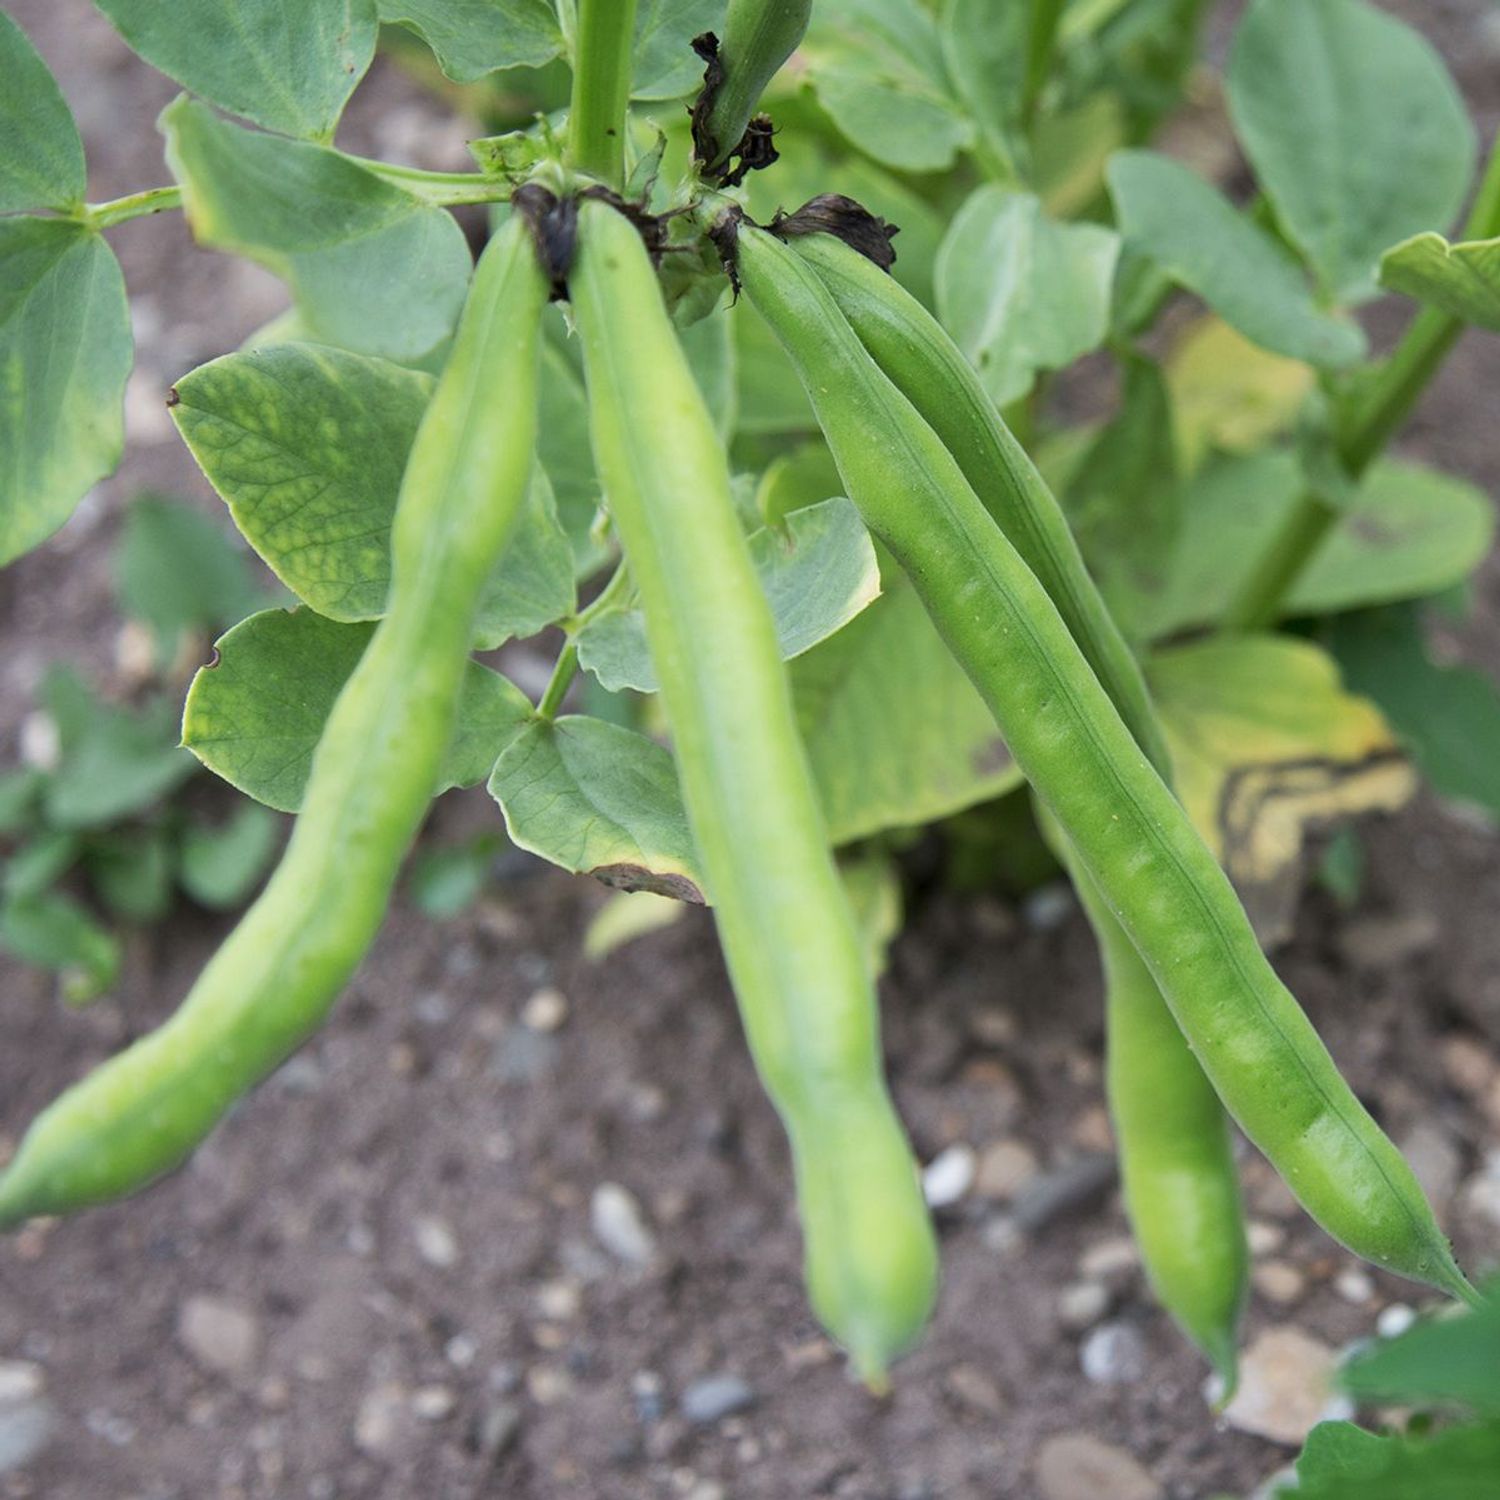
(759, 36)
(272, 982)
(1182, 1192)
(1156, 875)
(1181, 1186)
(806, 1001)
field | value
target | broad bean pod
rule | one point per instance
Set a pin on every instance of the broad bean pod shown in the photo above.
(1156, 875)
(759, 36)
(1181, 1186)
(806, 1000)
(272, 982)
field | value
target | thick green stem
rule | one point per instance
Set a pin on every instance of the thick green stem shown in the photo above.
(134, 206)
(1402, 380)
(603, 50)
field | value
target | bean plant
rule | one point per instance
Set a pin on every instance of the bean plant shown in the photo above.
(825, 567)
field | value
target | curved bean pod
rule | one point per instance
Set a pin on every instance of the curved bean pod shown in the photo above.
(272, 982)
(784, 922)
(1181, 1186)
(1261, 1053)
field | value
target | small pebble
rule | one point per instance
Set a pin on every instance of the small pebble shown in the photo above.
(1434, 1156)
(546, 1010)
(547, 1385)
(1113, 1354)
(1078, 1466)
(949, 1176)
(1285, 1378)
(1048, 906)
(972, 1387)
(713, 1397)
(558, 1300)
(221, 1335)
(1109, 1259)
(433, 1402)
(1278, 1281)
(1263, 1237)
(1394, 1320)
(1354, 1285)
(616, 1217)
(1469, 1064)
(1004, 1169)
(1081, 1305)
(435, 1240)
(381, 1423)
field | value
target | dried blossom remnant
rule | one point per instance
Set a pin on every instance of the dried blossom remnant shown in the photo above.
(851, 222)
(553, 222)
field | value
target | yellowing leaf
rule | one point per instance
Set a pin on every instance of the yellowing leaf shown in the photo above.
(1228, 393)
(1267, 745)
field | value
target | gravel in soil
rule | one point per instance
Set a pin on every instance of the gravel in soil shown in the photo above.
(450, 1251)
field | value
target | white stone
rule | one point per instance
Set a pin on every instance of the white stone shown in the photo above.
(1077, 1466)
(949, 1176)
(221, 1335)
(619, 1224)
(1285, 1379)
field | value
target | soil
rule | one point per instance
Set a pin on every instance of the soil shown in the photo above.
(407, 1296)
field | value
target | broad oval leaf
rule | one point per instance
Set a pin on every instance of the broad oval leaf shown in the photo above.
(1266, 744)
(470, 38)
(307, 445)
(65, 353)
(895, 732)
(1461, 280)
(1230, 394)
(1192, 232)
(254, 717)
(665, 65)
(1448, 716)
(41, 155)
(877, 66)
(372, 268)
(1354, 128)
(601, 800)
(289, 67)
(1409, 531)
(817, 575)
(1021, 292)
(985, 49)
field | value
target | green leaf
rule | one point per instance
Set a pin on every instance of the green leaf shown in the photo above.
(1354, 128)
(1409, 531)
(289, 67)
(600, 800)
(1341, 1462)
(566, 452)
(817, 575)
(872, 882)
(1448, 717)
(221, 866)
(176, 570)
(895, 732)
(41, 156)
(1443, 1360)
(625, 916)
(666, 67)
(877, 66)
(255, 716)
(1171, 215)
(1461, 280)
(20, 791)
(1021, 292)
(450, 878)
(307, 446)
(1123, 497)
(473, 37)
(532, 584)
(113, 762)
(1267, 744)
(131, 870)
(709, 345)
(771, 399)
(372, 268)
(65, 351)
(41, 863)
(984, 47)
(54, 932)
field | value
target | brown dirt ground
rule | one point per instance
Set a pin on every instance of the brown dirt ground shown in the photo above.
(426, 1097)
